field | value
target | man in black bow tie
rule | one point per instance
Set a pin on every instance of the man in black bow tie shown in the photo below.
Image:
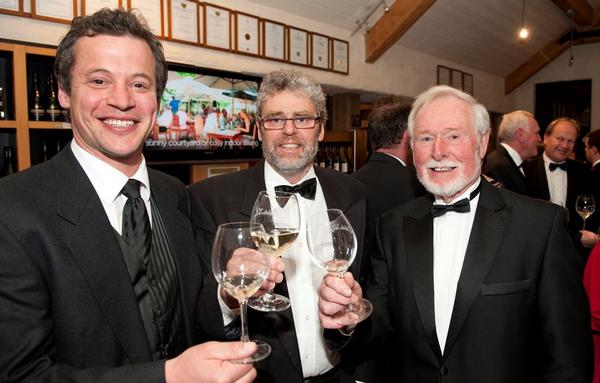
(556, 178)
(292, 117)
(483, 287)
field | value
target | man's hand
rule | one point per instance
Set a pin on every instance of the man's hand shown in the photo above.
(208, 362)
(335, 294)
(588, 238)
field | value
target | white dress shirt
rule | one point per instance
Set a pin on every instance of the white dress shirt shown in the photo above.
(557, 183)
(303, 278)
(451, 233)
(514, 155)
(108, 183)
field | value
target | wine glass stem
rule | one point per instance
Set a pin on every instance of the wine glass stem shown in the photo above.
(584, 223)
(244, 321)
(268, 296)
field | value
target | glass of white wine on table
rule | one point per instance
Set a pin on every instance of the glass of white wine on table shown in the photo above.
(332, 244)
(240, 268)
(279, 213)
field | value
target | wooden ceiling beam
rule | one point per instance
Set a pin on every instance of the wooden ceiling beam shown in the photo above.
(584, 35)
(392, 25)
(584, 12)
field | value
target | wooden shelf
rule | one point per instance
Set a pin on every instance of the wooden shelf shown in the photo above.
(338, 136)
(8, 124)
(59, 125)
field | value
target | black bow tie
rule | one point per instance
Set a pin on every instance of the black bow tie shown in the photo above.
(460, 206)
(306, 189)
(563, 165)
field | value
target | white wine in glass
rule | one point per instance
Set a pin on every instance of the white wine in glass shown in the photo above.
(585, 206)
(279, 214)
(240, 268)
(332, 244)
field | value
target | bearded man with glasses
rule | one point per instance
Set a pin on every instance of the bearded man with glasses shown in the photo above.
(292, 116)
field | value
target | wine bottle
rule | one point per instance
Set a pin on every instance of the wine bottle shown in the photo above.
(53, 110)
(7, 165)
(328, 162)
(321, 156)
(344, 159)
(3, 106)
(44, 151)
(336, 158)
(37, 112)
(350, 157)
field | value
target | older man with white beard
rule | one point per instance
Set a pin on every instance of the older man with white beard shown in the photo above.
(472, 284)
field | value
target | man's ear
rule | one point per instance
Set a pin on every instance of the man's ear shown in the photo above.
(63, 98)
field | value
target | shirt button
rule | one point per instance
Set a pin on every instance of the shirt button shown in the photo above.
(307, 317)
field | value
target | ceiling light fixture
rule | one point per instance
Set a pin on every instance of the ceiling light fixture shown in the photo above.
(571, 14)
(523, 32)
(365, 21)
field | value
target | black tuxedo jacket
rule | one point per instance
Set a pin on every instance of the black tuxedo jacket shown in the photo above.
(500, 166)
(388, 183)
(67, 307)
(578, 181)
(230, 198)
(520, 313)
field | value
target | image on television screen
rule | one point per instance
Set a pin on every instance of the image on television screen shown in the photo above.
(209, 111)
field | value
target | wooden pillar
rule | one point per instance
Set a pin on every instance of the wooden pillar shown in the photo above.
(343, 107)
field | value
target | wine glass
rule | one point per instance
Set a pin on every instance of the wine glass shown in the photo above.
(240, 270)
(279, 213)
(585, 206)
(332, 244)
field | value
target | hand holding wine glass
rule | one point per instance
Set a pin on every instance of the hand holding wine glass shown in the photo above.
(585, 206)
(240, 270)
(279, 213)
(332, 244)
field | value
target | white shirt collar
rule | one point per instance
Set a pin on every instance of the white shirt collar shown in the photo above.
(272, 178)
(106, 180)
(397, 158)
(513, 154)
(548, 161)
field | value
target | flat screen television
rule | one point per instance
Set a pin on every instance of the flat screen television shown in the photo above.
(205, 115)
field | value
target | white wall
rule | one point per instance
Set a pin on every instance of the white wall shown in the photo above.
(399, 71)
(586, 66)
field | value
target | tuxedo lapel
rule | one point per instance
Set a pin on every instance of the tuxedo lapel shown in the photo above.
(505, 153)
(489, 225)
(418, 239)
(94, 246)
(254, 184)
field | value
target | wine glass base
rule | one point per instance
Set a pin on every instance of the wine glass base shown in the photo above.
(275, 303)
(262, 351)
(361, 310)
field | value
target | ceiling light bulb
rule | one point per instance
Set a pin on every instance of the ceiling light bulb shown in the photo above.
(523, 33)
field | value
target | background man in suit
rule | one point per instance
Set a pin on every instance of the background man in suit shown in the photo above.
(518, 137)
(389, 181)
(80, 300)
(591, 143)
(483, 285)
(291, 117)
(556, 178)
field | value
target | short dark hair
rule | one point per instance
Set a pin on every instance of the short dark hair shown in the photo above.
(112, 22)
(555, 122)
(387, 124)
(593, 139)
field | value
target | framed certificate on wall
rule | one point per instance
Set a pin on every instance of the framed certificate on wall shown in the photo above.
(319, 50)
(247, 37)
(273, 40)
(297, 46)
(184, 21)
(339, 51)
(11, 7)
(217, 27)
(60, 11)
(152, 10)
(90, 6)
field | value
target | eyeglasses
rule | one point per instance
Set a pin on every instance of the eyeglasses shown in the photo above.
(300, 122)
